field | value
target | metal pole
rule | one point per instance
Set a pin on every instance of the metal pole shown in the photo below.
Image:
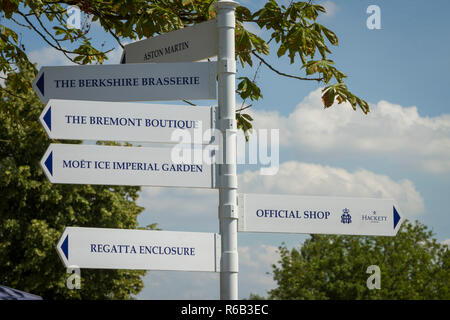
(228, 214)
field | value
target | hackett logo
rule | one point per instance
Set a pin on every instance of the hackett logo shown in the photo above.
(373, 218)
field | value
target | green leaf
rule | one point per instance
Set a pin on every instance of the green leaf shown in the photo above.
(248, 89)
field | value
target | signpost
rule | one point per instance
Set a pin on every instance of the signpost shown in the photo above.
(327, 215)
(130, 82)
(120, 121)
(135, 80)
(131, 166)
(104, 248)
(188, 44)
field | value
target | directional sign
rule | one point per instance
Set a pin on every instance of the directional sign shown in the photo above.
(120, 121)
(132, 166)
(130, 82)
(327, 215)
(188, 44)
(139, 249)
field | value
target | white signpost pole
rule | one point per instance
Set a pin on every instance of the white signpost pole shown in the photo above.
(228, 215)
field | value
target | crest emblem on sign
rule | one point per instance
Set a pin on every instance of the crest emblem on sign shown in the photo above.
(346, 218)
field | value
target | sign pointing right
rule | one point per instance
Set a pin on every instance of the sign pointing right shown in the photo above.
(326, 215)
(192, 43)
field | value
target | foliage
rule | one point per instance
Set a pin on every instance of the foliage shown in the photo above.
(412, 266)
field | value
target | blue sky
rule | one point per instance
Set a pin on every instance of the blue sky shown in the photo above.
(400, 150)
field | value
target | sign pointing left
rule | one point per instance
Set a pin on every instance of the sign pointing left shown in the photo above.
(104, 248)
(127, 82)
(129, 166)
(121, 121)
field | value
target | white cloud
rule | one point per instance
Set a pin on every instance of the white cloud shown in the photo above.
(115, 55)
(254, 28)
(330, 7)
(176, 200)
(49, 56)
(388, 130)
(174, 285)
(255, 264)
(311, 179)
(255, 257)
(447, 242)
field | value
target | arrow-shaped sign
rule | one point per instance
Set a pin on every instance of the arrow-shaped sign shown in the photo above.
(193, 43)
(127, 82)
(132, 166)
(326, 215)
(103, 248)
(120, 121)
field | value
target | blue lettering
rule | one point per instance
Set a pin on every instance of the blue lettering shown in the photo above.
(316, 215)
(182, 124)
(83, 164)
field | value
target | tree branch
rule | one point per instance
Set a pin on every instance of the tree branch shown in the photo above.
(188, 102)
(12, 94)
(243, 108)
(57, 45)
(282, 73)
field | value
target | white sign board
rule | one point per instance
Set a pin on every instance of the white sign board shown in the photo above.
(120, 121)
(128, 82)
(103, 248)
(132, 166)
(193, 43)
(326, 215)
